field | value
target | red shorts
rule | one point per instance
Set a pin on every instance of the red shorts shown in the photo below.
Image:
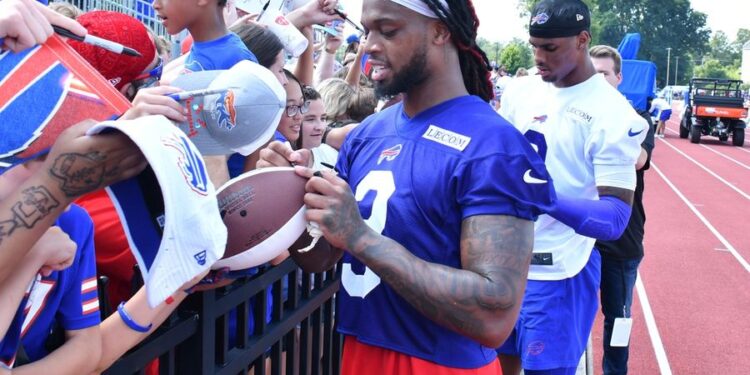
(363, 359)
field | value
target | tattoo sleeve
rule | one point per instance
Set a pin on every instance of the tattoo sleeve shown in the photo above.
(624, 195)
(79, 173)
(476, 300)
(35, 204)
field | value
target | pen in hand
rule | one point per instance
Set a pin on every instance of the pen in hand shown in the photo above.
(96, 41)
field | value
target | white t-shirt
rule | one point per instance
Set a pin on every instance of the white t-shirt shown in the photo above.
(589, 136)
(324, 154)
(659, 105)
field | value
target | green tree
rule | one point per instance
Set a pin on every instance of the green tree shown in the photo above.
(712, 68)
(722, 50)
(516, 54)
(492, 49)
(743, 36)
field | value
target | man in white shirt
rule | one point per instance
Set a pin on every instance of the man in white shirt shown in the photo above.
(589, 136)
(661, 111)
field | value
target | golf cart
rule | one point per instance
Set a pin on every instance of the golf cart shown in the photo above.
(714, 107)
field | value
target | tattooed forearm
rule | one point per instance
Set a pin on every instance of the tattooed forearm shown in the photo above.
(79, 173)
(477, 300)
(36, 203)
(624, 195)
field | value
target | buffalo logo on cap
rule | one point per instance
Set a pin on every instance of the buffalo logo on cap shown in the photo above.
(190, 163)
(227, 115)
(540, 19)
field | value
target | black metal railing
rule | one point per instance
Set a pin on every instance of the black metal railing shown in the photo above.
(297, 338)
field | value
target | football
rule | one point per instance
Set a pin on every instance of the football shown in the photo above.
(263, 211)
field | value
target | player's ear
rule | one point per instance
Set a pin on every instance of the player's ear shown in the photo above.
(583, 39)
(441, 33)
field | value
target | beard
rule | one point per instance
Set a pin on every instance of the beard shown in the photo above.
(414, 73)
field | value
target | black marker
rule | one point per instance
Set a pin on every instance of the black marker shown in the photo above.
(338, 12)
(96, 41)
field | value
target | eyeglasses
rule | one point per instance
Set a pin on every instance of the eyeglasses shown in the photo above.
(293, 110)
(150, 78)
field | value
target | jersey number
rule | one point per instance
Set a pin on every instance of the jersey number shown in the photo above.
(537, 142)
(377, 186)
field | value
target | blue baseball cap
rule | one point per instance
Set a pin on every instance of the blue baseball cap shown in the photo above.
(352, 39)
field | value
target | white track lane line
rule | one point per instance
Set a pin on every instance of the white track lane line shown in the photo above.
(705, 221)
(740, 192)
(653, 331)
(741, 164)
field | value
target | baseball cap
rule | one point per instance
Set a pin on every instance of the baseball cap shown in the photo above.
(169, 212)
(119, 69)
(352, 38)
(559, 18)
(241, 117)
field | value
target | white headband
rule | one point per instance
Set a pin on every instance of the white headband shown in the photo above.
(421, 7)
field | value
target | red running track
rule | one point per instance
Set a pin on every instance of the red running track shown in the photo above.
(695, 273)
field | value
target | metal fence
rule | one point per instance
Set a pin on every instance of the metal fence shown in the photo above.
(140, 9)
(299, 337)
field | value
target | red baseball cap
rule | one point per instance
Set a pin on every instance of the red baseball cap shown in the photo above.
(118, 27)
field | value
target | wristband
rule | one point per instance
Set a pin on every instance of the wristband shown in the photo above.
(330, 52)
(130, 322)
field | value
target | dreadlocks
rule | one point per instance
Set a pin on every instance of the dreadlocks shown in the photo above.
(462, 21)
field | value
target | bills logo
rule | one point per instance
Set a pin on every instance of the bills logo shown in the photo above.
(43, 91)
(225, 111)
(31, 91)
(190, 163)
(540, 119)
(390, 153)
(540, 19)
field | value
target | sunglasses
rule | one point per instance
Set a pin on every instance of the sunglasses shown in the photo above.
(150, 78)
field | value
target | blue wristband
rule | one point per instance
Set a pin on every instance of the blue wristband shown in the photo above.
(130, 322)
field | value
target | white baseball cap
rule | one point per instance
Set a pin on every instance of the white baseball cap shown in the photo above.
(169, 212)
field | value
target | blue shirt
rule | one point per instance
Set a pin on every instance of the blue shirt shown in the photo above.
(68, 296)
(218, 54)
(416, 180)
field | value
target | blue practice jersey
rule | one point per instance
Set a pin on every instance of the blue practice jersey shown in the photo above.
(416, 180)
(218, 54)
(68, 296)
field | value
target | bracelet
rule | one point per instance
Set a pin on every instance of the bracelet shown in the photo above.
(330, 52)
(130, 322)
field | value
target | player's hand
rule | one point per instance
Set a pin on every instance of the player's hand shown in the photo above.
(331, 204)
(81, 164)
(279, 154)
(54, 250)
(152, 101)
(26, 23)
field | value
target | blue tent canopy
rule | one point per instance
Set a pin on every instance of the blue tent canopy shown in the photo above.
(638, 77)
(629, 46)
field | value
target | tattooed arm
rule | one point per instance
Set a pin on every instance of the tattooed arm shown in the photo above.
(33, 195)
(480, 301)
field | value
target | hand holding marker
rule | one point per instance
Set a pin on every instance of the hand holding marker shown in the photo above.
(93, 40)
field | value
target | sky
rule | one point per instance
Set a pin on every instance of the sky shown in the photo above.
(499, 19)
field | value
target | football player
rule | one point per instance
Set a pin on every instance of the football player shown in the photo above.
(590, 137)
(434, 201)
